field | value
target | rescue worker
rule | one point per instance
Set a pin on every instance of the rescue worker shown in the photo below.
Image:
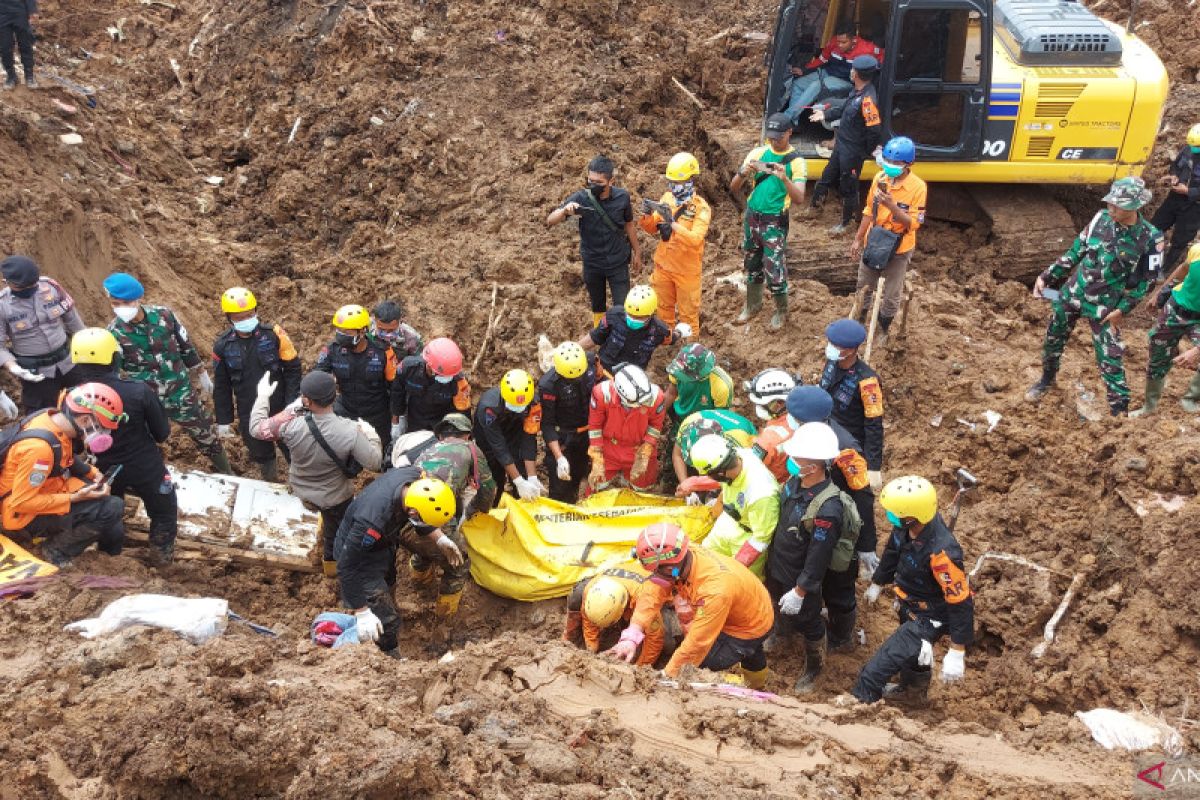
(628, 334)
(564, 393)
(896, 202)
(1180, 212)
(696, 382)
(625, 424)
(1115, 260)
(135, 443)
(777, 174)
(732, 609)
(507, 421)
(15, 16)
(829, 72)
(933, 596)
(1179, 301)
(680, 252)
(388, 326)
(399, 508)
(429, 386)
(768, 392)
(812, 557)
(39, 318)
(749, 511)
(49, 493)
(857, 136)
(857, 395)
(156, 348)
(457, 461)
(364, 368)
(702, 423)
(327, 452)
(599, 602)
(608, 242)
(242, 355)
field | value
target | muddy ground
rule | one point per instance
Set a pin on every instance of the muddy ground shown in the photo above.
(411, 150)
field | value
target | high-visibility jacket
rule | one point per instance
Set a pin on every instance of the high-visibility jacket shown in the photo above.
(750, 514)
(32, 485)
(683, 252)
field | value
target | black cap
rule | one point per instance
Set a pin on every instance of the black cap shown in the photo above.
(319, 387)
(20, 271)
(865, 65)
(778, 123)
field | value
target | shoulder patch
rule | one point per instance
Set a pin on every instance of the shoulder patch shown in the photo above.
(872, 397)
(870, 111)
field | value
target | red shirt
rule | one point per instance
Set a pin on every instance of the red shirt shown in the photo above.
(836, 61)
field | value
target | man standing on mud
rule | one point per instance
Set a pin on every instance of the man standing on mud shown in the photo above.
(38, 318)
(607, 234)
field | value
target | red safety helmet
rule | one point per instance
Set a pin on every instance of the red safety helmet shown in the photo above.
(101, 401)
(661, 543)
(443, 357)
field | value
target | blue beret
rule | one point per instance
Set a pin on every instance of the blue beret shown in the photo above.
(845, 333)
(864, 63)
(809, 404)
(123, 286)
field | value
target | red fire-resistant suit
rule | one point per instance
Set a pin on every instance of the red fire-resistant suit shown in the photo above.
(616, 433)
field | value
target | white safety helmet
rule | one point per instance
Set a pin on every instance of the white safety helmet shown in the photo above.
(814, 441)
(769, 386)
(633, 385)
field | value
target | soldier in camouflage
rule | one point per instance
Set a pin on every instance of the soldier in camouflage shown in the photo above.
(388, 326)
(456, 460)
(156, 348)
(1179, 301)
(1116, 258)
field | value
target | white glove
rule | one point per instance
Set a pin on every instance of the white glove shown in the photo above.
(266, 386)
(693, 499)
(526, 489)
(876, 479)
(367, 428)
(24, 374)
(206, 384)
(925, 657)
(682, 330)
(294, 406)
(791, 603)
(867, 563)
(368, 625)
(953, 665)
(225, 431)
(563, 468)
(399, 428)
(873, 592)
(537, 483)
(450, 550)
(7, 407)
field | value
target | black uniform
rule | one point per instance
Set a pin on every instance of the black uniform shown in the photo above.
(604, 245)
(424, 400)
(800, 559)
(239, 362)
(506, 437)
(14, 22)
(619, 343)
(857, 137)
(135, 447)
(864, 498)
(935, 599)
(858, 406)
(1180, 212)
(565, 404)
(364, 382)
(366, 546)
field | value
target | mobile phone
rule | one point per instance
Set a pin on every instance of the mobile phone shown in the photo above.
(110, 476)
(1051, 294)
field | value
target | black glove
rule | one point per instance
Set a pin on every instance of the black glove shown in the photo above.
(664, 231)
(646, 208)
(1163, 294)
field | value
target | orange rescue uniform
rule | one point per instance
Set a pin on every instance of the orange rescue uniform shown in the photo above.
(26, 483)
(768, 446)
(677, 261)
(910, 193)
(633, 577)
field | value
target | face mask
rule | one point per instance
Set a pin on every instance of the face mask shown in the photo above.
(96, 439)
(793, 423)
(889, 169)
(896, 521)
(443, 378)
(345, 339)
(387, 336)
(761, 412)
(515, 408)
(126, 313)
(832, 353)
(635, 324)
(682, 192)
(26, 293)
(1195, 148)
(793, 468)
(246, 325)
(659, 580)
(720, 477)
(597, 188)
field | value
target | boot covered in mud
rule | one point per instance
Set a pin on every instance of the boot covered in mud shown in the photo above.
(161, 555)
(779, 640)
(913, 688)
(781, 310)
(1191, 398)
(423, 572)
(447, 604)
(1154, 390)
(573, 630)
(754, 298)
(841, 631)
(329, 568)
(269, 471)
(755, 679)
(1039, 389)
(220, 461)
(814, 662)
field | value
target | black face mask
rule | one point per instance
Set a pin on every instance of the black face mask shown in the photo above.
(597, 188)
(345, 339)
(26, 293)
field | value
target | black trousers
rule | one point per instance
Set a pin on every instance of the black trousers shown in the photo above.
(88, 522)
(836, 594)
(574, 446)
(331, 520)
(1182, 217)
(729, 650)
(157, 493)
(383, 604)
(44, 394)
(503, 482)
(23, 32)
(897, 655)
(843, 171)
(617, 282)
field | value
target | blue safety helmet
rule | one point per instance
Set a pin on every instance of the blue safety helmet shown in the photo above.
(809, 404)
(845, 333)
(900, 148)
(123, 286)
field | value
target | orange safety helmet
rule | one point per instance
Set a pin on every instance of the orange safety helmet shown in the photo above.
(661, 543)
(101, 401)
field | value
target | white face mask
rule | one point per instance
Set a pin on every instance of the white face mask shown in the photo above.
(126, 313)
(832, 353)
(793, 423)
(443, 378)
(516, 409)
(761, 412)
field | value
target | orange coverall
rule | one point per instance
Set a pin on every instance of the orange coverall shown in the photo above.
(632, 576)
(677, 261)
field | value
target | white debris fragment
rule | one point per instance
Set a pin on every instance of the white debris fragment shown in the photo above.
(214, 180)
(936, 421)
(71, 138)
(993, 419)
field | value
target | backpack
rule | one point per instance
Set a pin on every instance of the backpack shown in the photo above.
(11, 434)
(843, 548)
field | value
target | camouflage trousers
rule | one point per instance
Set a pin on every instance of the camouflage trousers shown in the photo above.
(184, 407)
(1173, 324)
(1106, 341)
(425, 553)
(764, 241)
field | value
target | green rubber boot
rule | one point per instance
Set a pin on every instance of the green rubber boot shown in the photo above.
(780, 316)
(220, 462)
(1191, 398)
(754, 295)
(1154, 390)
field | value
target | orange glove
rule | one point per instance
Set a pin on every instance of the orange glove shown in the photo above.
(640, 462)
(596, 476)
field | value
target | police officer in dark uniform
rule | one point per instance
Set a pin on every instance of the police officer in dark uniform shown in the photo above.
(857, 137)
(428, 387)
(565, 393)
(135, 441)
(364, 368)
(507, 420)
(241, 355)
(1180, 212)
(933, 596)
(629, 334)
(857, 395)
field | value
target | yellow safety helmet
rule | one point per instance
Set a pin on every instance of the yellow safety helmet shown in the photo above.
(713, 452)
(516, 387)
(569, 360)
(351, 318)
(605, 601)
(1193, 137)
(432, 499)
(642, 301)
(682, 167)
(238, 299)
(94, 346)
(910, 496)
(1193, 253)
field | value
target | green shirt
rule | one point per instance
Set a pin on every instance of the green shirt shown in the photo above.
(770, 193)
(1187, 294)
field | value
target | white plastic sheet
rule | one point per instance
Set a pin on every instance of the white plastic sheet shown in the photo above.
(197, 619)
(1114, 730)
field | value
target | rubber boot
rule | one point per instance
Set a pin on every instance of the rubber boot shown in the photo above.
(596, 317)
(755, 679)
(841, 631)
(422, 571)
(447, 604)
(913, 688)
(30, 81)
(329, 568)
(1154, 390)
(573, 631)
(161, 555)
(814, 661)
(778, 641)
(1191, 398)
(220, 462)
(881, 333)
(1119, 409)
(754, 297)
(269, 470)
(11, 81)
(1039, 389)
(781, 310)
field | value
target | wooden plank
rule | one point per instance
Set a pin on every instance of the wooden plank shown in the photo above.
(215, 552)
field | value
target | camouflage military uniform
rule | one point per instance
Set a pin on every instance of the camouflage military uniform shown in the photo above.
(1175, 322)
(764, 241)
(157, 350)
(1114, 267)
